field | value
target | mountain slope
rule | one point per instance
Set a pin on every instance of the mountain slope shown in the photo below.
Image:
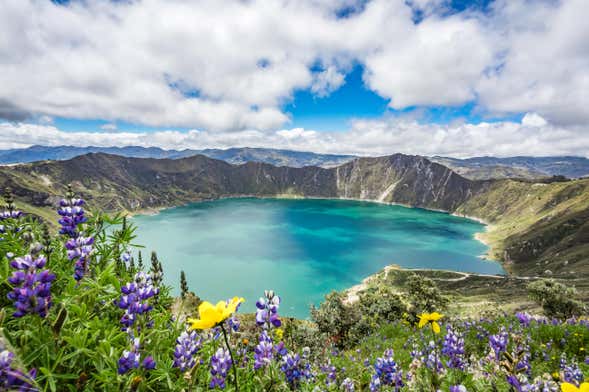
(535, 226)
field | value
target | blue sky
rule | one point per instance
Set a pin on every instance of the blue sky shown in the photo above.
(468, 77)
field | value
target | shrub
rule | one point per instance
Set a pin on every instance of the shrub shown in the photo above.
(382, 303)
(424, 295)
(335, 319)
(556, 299)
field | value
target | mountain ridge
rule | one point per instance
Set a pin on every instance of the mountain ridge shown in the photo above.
(527, 218)
(475, 168)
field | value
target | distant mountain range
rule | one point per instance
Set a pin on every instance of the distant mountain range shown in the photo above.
(537, 226)
(478, 168)
(231, 155)
(517, 167)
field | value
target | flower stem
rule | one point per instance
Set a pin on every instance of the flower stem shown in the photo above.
(233, 364)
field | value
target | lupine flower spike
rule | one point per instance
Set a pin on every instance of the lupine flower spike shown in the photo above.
(31, 283)
(12, 379)
(78, 247)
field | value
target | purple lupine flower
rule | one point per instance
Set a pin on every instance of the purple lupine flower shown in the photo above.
(330, 373)
(453, 348)
(234, 323)
(131, 359)
(10, 214)
(31, 291)
(135, 300)
(295, 369)
(498, 343)
(571, 372)
(12, 379)
(458, 388)
(265, 351)
(126, 256)
(347, 385)
(79, 250)
(148, 363)
(187, 345)
(523, 364)
(386, 373)
(263, 354)
(72, 215)
(267, 310)
(220, 365)
(78, 247)
(524, 318)
(431, 358)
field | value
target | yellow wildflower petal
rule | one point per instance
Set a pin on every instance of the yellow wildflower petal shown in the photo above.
(201, 324)
(435, 316)
(584, 387)
(568, 387)
(423, 320)
(435, 327)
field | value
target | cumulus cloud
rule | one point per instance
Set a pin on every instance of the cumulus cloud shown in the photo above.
(109, 127)
(542, 60)
(327, 81)
(231, 64)
(532, 136)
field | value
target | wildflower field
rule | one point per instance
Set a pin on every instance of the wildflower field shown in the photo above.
(81, 313)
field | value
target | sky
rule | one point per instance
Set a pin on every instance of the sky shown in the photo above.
(369, 77)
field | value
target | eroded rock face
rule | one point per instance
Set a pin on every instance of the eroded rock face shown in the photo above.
(405, 179)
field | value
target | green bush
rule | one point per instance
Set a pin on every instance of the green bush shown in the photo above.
(382, 303)
(424, 295)
(336, 319)
(556, 299)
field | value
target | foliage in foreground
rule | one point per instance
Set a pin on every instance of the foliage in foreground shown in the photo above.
(79, 313)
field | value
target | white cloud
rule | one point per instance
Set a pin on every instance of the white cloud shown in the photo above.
(327, 81)
(542, 62)
(230, 65)
(375, 137)
(109, 127)
(533, 120)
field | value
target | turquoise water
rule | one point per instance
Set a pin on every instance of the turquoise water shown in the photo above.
(302, 249)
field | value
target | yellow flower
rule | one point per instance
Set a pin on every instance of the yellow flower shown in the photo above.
(431, 319)
(245, 341)
(568, 387)
(279, 333)
(213, 315)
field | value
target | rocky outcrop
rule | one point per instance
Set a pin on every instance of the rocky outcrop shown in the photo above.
(405, 179)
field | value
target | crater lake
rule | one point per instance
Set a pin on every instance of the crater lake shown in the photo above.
(302, 248)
